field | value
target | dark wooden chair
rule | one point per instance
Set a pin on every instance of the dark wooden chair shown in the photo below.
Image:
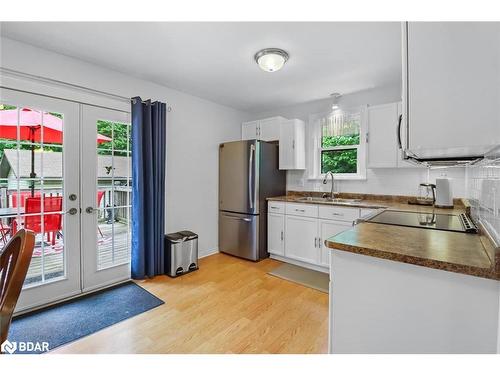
(14, 263)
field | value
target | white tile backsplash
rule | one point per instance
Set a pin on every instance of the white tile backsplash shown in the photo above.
(483, 191)
(390, 181)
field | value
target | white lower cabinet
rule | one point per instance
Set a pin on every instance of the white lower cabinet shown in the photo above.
(327, 229)
(301, 238)
(276, 234)
(299, 234)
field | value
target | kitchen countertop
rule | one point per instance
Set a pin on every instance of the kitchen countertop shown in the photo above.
(470, 254)
(450, 251)
(393, 203)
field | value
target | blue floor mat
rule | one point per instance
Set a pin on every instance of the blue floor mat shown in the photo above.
(61, 324)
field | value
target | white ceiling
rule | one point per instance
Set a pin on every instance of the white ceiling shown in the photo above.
(215, 60)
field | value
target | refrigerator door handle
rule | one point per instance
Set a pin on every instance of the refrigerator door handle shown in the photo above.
(238, 218)
(251, 177)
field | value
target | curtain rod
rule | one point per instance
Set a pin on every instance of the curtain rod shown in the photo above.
(70, 85)
(169, 109)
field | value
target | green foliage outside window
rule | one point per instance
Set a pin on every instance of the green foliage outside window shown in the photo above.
(341, 140)
(339, 161)
(120, 134)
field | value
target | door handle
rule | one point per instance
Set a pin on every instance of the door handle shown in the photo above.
(72, 211)
(281, 235)
(238, 218)
(251, 177)
(90, 210)
(400, 145)
(315, 242)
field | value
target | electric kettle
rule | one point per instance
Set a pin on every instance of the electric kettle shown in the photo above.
(426, 194)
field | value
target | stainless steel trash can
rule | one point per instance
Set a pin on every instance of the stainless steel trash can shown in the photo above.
(182, 253)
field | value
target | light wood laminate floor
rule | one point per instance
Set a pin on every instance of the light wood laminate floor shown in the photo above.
(228, 306)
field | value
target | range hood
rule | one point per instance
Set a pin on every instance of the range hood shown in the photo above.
(446, 157)
(450, 98)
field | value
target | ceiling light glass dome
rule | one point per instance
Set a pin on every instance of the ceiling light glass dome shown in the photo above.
(271, 59)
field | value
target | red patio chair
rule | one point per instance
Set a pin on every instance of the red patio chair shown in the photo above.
(52, 223)
(21, 197)
(4, 232)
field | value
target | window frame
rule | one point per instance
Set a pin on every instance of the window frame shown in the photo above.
(315, 147)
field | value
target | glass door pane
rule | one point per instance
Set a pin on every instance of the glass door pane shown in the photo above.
(35, 155)
(106, 177)
(114, 193)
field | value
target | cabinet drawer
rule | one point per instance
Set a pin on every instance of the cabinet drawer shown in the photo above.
(299, 209)
(276, 207)
(338, 213)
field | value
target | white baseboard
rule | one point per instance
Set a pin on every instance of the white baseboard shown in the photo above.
(299, 263)
(211, 252)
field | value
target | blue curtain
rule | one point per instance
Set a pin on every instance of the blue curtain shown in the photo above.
(148, 187)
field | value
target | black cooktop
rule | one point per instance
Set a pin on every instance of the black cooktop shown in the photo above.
(429, 220)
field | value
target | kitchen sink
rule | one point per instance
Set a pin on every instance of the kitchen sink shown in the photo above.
(328, 200)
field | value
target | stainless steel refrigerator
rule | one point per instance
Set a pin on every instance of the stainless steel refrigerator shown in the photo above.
(248, 174)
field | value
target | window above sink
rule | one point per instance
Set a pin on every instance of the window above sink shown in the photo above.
(338, 144)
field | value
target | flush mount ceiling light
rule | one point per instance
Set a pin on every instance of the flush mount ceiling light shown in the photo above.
(271, 59)
(335, 100)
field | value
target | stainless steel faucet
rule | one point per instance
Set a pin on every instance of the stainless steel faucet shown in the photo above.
(325, 180)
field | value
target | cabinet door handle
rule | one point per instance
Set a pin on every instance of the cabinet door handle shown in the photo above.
(315, 242)
(300, 210)
(319, 243)
(281, 235)
(274, 207)
(337, 214)
(400, 145)
(293, 144)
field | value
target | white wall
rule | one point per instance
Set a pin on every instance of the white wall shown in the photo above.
(195, 127)
(401, 181)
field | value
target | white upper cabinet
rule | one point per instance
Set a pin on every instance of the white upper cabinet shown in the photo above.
(249, 130)
(451, 86)
(383, 143)
(270, 129)
(265, 130)
(292, 151)
(382, 139)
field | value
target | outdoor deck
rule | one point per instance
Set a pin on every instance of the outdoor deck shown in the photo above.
(54, 261)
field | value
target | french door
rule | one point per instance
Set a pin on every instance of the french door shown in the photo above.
(65, 175)
(106, 196)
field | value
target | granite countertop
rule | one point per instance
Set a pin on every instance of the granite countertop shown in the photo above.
(470, 254)
(450, 251)
(375, 202)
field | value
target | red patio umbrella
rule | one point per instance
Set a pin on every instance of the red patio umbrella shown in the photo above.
(30, 129)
